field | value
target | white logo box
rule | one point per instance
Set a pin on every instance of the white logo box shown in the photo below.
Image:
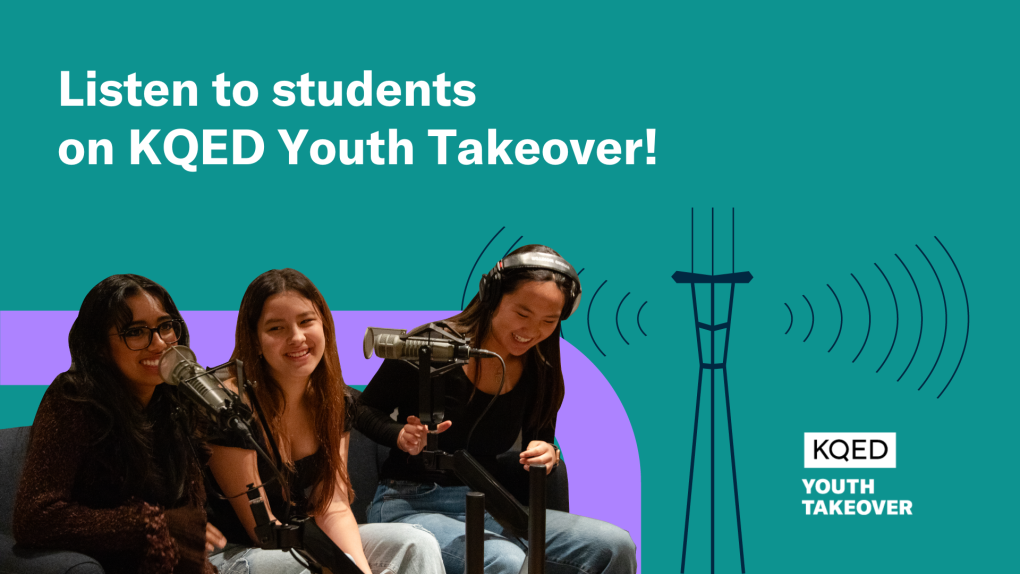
(849, 450)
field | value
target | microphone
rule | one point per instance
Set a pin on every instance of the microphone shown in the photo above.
(178, 367)
(395, 344)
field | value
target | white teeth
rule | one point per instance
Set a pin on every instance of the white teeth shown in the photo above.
(519, 339)
(152, 363)
(298, 354)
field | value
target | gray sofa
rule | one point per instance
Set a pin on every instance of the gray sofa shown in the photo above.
(365, 460)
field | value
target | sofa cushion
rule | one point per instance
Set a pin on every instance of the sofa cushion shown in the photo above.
(14, 560)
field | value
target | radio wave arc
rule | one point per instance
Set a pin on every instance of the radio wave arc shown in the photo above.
(945, 309)
(840, 318)
(812, 328)
(967, 301)
(919, 306)
(512, 247)
(618, 318)
(867, 334)
(791, 319)
(589, 317)
(639, 318)
(468, 282)
(897, 307)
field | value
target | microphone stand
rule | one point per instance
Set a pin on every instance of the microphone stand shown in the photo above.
(487, 493)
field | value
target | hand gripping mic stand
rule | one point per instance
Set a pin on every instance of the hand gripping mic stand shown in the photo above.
(487, 493)
(309, 545)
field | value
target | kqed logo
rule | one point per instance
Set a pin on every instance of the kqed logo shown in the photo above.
(849, 450)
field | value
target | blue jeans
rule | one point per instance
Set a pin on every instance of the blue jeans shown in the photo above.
(389, 548)
(573, 543)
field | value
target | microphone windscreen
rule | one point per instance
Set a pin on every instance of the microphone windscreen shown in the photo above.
(172, 357)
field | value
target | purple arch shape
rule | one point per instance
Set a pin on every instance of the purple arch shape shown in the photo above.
(589, 396)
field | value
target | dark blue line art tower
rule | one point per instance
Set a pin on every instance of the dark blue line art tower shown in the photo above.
(712, 280)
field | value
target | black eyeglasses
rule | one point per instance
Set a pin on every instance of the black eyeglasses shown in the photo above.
(138, 338)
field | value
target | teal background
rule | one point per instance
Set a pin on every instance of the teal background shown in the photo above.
(840, 133)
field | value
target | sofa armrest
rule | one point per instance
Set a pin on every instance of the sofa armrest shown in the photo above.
(15, 560)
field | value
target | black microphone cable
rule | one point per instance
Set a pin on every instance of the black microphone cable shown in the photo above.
(499, 391)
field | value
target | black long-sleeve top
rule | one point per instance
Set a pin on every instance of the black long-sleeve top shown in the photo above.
(395, 386)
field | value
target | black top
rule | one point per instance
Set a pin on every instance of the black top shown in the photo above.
(395, 386)
(221, 513)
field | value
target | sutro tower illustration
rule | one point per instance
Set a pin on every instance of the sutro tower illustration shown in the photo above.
(710, 329)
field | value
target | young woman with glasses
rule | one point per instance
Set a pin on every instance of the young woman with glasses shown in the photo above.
(112, 471)
(517, 315)
(286, 338)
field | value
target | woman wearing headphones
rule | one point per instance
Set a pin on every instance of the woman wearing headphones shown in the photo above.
(110, 470)
(517, 315)
(286, 338)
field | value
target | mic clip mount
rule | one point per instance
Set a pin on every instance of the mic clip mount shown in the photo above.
(440, 331)
(237, 417)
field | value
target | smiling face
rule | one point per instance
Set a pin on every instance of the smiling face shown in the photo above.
(291, 338)
(526, 317)
(140, 368)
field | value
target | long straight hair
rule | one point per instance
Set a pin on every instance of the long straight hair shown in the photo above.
(130, 441)
(476, 320)
(326, 387)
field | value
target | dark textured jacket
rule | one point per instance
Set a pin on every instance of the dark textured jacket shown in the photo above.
(68, 501)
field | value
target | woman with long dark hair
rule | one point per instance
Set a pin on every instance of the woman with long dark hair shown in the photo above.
(112, 470)
(517, 315)
(286, 339)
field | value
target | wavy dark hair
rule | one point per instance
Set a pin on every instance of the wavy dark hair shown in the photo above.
(476, 320)
(146, 446)
(326, 388)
